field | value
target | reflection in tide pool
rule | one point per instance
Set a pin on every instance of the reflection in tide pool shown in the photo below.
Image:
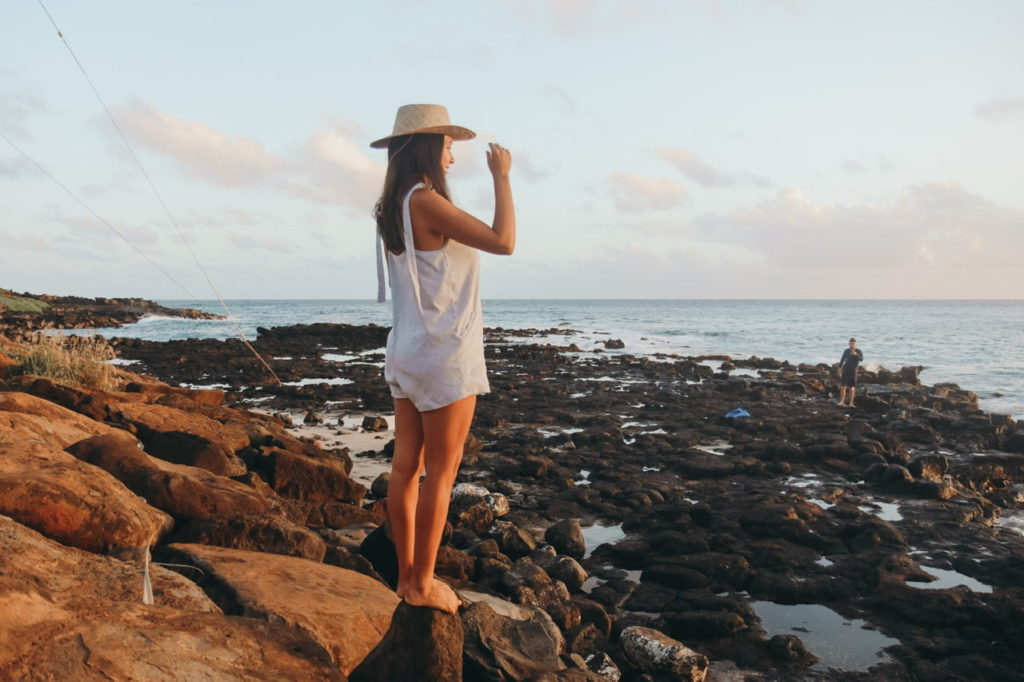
(947, 579)
(839, 643)
(890, 511)
(595, 536)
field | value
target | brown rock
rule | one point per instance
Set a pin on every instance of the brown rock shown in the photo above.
(49, 636)
(375, 424)
(379, 487)
(345, 612)
(157, 390)
(342, 515)
(185, 492)
(39, 419)
(74, 503)
(255, 532)
(421, 644)
(91, 402)
(184, 437)
(74, 571)
(305, 478)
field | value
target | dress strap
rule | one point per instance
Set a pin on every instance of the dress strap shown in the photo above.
(381, 289)
(410, 249)
(409, 255)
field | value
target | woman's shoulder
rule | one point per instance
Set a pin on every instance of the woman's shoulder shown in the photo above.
(425, 200)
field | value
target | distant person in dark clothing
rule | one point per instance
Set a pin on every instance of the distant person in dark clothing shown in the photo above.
(847, 371)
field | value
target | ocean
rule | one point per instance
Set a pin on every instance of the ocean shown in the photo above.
(976, 344)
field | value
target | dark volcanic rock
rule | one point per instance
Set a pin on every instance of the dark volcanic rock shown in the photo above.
(566, 537)
(786, 505)
(421, 644)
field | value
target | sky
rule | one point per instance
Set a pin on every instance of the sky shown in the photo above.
(661, 149)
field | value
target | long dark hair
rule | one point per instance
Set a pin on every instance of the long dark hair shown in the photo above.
(411, 158)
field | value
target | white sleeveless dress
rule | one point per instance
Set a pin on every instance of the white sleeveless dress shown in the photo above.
(435, 350)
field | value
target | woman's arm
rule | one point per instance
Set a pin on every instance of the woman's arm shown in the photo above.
(441, 217)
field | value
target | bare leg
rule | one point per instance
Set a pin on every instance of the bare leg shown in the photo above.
(444, 434)
(853, 393)
(403, 486)
(842, 394)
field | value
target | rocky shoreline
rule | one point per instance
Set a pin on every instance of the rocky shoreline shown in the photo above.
(610, 522)
(76, 312)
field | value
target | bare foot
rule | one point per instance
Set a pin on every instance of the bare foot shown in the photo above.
(438, 595)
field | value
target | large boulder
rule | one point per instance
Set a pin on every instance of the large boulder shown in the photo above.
(62, 636)
(256, 532)
(184, 437)
(422, 644)
(68, 570)
(90, 402)
(24, 416)
(500, 647)
(183, 491)
(72, 502)
(305, 478)
(345, 612)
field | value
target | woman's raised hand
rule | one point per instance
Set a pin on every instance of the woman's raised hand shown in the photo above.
(499, 160)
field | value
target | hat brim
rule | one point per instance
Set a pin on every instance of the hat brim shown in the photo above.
(454, 132)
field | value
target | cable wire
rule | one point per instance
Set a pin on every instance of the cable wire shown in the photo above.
(156, 192)
(96, 215)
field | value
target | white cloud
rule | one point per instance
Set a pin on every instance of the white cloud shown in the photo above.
(1000, 108)
(328, 168)
(197, 147)
(632, 193)
(331, 169)
(933, 224)
(930, 240)
(704, 174)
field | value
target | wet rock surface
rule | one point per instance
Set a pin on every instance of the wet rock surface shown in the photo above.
(604, 493)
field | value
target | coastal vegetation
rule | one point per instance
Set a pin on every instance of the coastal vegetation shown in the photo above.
(77, 361)
(21, 304)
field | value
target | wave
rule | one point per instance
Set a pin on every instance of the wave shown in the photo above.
(149, 318)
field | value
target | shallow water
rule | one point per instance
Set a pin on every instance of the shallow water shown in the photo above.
(838, 642)
(597, 535)
(948, 578)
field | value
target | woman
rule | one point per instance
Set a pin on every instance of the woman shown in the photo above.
(435, 358)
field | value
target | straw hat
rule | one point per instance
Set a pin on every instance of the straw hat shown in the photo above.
(424, 118)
